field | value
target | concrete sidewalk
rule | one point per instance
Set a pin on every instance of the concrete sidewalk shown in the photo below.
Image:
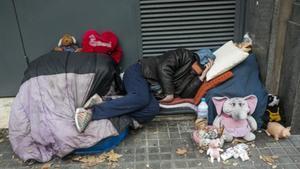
(154, 147)
(5, 106)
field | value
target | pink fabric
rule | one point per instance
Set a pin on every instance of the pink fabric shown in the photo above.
(252, 102)
(236, 128)
(219, 101)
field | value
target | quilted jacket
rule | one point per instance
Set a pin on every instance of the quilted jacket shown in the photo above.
(173, 71)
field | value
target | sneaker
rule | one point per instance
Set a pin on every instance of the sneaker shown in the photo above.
(82, 118)
(95, 99)
(136, 125)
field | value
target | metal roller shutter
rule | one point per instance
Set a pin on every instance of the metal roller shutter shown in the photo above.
(169, 24)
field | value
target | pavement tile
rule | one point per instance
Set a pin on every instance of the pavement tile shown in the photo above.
(154, 147)
(265, 151)
(140, 158)
(291, 150)
(285, 160)
(295, 158)
(165, 164)
(153, 157)
(167, 156)
(165, 149)
(180, 164)
(287, 166)
(278, 151)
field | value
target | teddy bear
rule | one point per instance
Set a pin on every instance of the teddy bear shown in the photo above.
(234, 114)
(67, 43)
(214, 150)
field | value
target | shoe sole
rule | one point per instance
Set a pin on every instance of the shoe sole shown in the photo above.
(76, 122)
(89, 104)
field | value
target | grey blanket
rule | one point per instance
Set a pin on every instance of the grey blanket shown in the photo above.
(41, 122)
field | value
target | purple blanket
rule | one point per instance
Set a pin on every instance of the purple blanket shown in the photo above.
(42, 122)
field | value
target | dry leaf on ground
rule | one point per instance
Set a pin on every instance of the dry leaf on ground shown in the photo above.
(112, 156)
(237, 141)
(270, 160)
(89, 161)
(181, 151)
(46, 166)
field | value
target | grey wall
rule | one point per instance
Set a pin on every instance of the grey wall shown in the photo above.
(12, 61)
(42, 23)
(289, 88)
(258, 22)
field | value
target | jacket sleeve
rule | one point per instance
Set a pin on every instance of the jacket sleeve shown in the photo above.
(171, 63)
(165, 74)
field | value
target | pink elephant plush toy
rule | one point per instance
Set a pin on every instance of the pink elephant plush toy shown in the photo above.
(234, 114)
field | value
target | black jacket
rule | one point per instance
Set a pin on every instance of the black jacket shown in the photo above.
(173, 71)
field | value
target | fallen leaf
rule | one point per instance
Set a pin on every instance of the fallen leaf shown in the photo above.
(199, 164)
(274, 166)
(181, 151)
(226, 162)
(237, 141)
(270, 160)
(1, 140)
(235, 164)
(112, 156)
(201, 151)
(46, 166)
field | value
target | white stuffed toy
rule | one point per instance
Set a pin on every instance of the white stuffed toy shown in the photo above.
(234, 115)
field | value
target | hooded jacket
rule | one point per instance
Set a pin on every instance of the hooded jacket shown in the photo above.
(173, 71)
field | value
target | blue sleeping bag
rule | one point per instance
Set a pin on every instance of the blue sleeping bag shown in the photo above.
(245, 81)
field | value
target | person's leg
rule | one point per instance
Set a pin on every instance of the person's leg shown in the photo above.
(147, 113)
(138, 96)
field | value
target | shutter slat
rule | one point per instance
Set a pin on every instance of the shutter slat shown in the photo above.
(185, 45)
(187, 36)
(195, 31)
(187, 23)
(188, 18)
(187, 27)
(165, 4)
(198, 8)
(191, 24)
(196, 13)
(186, 40)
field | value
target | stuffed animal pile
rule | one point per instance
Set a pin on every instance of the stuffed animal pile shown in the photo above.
(92, 41)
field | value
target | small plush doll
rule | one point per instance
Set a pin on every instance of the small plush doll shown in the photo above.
(214, 150)
(235, 116)
(67, 44)
(277, 130)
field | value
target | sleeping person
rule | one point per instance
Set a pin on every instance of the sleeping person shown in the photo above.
(173, 74)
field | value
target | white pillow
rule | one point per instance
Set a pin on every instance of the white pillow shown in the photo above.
(227, 56)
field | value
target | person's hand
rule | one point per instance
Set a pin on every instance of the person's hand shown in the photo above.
(168, 98)
(207, 67)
